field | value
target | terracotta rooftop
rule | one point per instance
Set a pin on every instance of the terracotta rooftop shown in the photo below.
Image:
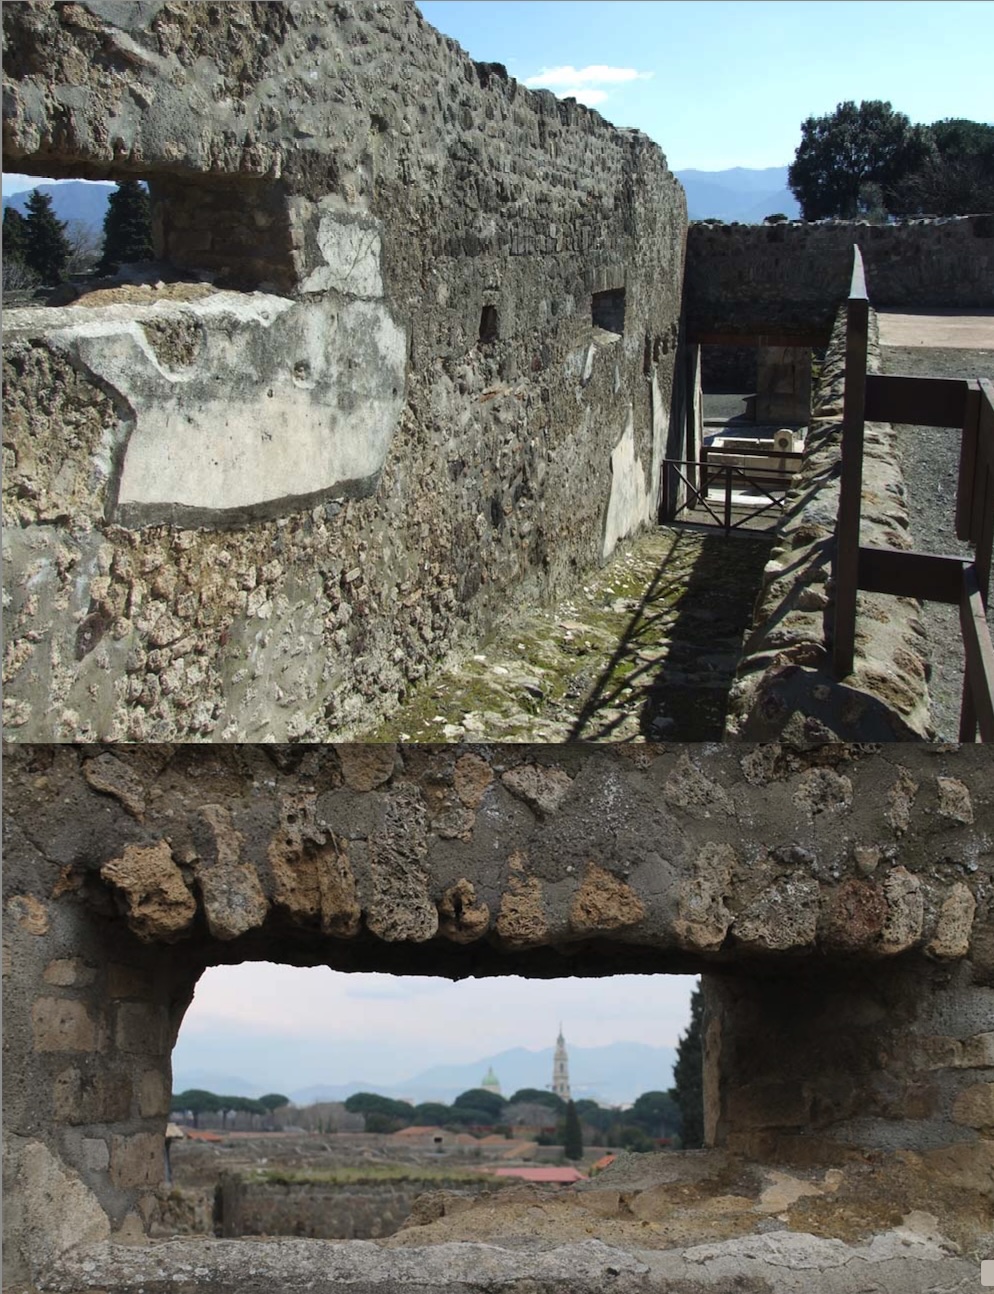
(562, 1176)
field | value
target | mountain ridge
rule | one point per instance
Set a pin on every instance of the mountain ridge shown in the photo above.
(614, 1074)
(740, 193)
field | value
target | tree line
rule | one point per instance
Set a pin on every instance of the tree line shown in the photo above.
(869, 160)
(41, 250)
(198, 1101)
(657, 1116)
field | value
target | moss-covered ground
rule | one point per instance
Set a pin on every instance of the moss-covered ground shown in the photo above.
(645, 650)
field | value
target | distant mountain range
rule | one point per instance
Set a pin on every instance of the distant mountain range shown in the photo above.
(736, 194)
(614, 1074)
(82, 200)
(739, 193)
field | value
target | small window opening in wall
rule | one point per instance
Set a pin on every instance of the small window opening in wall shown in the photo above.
(607, 310)
(257, 1059)
(489, 325)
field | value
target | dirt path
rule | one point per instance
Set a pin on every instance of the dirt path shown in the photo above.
(645, 651)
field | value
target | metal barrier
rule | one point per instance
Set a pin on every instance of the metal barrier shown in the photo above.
(707, 473)
(931, 402)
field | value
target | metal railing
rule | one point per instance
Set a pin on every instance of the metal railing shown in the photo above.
(701, 478)
(930, 402)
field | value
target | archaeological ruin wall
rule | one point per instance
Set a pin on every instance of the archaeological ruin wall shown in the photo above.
(839, 903)
(408, 355)
(787, 280)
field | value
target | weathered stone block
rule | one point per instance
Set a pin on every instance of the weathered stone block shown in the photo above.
(603, 902)
(136, 1160)
(88, 1095)
(96, 1153)
(952, 933)
(64, 1024)
(29, 913)
(153, 1094)
(142, 1029)
(66, 972)
(543, 789)
(974, 1107)
(159, 904)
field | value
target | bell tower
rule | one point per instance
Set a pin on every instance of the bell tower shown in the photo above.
(560, 1068)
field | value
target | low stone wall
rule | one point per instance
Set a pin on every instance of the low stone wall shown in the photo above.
(785, 682)
(770, 278)
(321, 1210)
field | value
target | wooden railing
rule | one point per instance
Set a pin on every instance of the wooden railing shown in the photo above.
(700, 479)
(931, 402)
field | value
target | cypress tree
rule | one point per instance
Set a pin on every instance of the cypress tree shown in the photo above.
(688, 1076)
(127, 226)
(46, 248)
(572, 1134)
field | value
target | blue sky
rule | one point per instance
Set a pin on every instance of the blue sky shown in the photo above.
(720, 83)
(284, 1027)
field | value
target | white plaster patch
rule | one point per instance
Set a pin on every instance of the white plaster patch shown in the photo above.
(660, 434)
(628, 506)
(351, 254)
(285, 400)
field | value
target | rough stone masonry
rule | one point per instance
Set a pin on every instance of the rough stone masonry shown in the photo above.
(412, 356)
(838, 901)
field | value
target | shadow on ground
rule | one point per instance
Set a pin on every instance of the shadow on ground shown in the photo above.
(645, 650)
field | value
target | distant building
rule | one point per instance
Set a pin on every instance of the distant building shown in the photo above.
(491, 1083)
(560, 1068)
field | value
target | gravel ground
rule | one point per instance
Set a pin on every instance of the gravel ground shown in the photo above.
(931, 468)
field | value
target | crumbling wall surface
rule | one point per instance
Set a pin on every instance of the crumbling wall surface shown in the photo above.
(785, 681)
(265, 503)
(850, 884)
(775, 278)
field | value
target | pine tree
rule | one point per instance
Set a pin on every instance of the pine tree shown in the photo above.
(688, 1076)
(572, 1133)
(127, 226)
(14, 234)
(46, 248)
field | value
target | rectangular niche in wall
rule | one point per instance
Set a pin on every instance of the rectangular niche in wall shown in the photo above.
(607, 310)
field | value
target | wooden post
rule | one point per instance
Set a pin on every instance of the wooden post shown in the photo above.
(850, 497)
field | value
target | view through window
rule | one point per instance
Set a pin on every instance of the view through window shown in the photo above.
(316, 1103)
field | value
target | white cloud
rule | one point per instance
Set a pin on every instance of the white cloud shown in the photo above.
(595, 74)
(585, 84)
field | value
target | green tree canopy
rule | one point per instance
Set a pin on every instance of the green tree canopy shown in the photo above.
(432, 1113)
(852, 158)
(536, 1096)
(688, 1076)
(656, 1112)
(956, 176)
(273, 1101)
(572, 1133)
(198, 1101)
(372, 1103)
(127, 226)
(46, 248)
(478, 1098)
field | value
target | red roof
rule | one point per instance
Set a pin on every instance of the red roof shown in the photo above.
(201, 1134)
(562, 1176)
(605, 1161)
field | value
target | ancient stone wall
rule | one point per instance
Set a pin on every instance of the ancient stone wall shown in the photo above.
(786, 681)
(845, 892)
(778, 278)
(388, 398)
(322, 1210)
